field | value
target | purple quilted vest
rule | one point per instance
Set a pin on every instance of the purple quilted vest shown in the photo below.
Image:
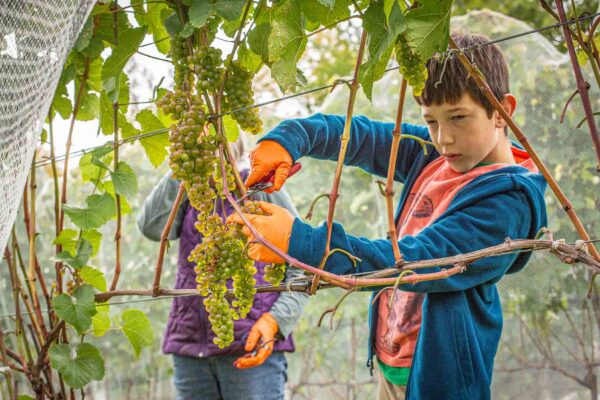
(188, 331)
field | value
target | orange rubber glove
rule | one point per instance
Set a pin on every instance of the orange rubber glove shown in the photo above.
(266, 157)
(262, 334)
(276, 227)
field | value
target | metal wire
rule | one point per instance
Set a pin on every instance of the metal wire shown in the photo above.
(48, 160)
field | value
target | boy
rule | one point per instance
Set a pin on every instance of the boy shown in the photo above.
(472, 192)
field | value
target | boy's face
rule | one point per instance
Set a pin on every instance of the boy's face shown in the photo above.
(464, 134)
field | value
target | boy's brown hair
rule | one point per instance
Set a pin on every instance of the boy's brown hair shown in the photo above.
(454, 77)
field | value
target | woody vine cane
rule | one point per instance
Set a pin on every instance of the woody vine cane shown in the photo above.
(567, 206)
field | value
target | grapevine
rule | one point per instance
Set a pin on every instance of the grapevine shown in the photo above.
(412, 67)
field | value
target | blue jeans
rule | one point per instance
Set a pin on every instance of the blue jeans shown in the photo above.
(215, 378)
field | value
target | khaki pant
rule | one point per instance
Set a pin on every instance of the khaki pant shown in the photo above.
(387, 390)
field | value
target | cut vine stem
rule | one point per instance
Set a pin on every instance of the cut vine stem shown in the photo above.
(333, 196)
(567, 206)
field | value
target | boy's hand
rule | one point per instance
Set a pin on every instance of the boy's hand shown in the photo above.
(266, 157)
(276, 227)
(260, 342)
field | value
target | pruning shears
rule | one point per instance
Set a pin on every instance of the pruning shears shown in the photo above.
(268, 181)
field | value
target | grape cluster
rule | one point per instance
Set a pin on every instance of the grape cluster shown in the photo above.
(220, 258)
(207, 64)
(238, 89)
(179, 54)
(412, 67)
(275, 273)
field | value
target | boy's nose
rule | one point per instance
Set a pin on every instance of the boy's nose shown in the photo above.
(444, 136)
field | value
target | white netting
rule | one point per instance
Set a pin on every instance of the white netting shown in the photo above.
(35, 39)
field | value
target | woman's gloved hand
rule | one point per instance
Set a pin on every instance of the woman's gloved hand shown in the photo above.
(259, 343)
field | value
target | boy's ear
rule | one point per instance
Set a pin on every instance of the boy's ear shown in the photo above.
(509, 103)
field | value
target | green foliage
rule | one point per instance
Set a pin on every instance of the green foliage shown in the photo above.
(136, 326)
(78, 364)
(93, 277)
(101, 321)
(129, 41)
(124, 180)
(83, 252)
(201, 10)
(77, 310)
(286, 43)
(429, 26)
(382, 37)
(100, 208)
(155, 145)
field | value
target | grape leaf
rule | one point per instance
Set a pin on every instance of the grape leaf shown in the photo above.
(82, 255)
(100, 208)
(429, 27)
(231, 128)
(67, 238)
(199, 12)
(125, 180)
(173, 24)
(382, 36)
(78, 364)
(94, 237)
(156, 25)
(83, 40)
(155, 145)
(129, 41)
(140, 13)
(327, 3)
(229, 9)
(287, 42)
(138, 330)
(76, 310)
(93, 277)
(101, 321)
(321, 14)
(89, 106)
(258, 40)
(248, 59)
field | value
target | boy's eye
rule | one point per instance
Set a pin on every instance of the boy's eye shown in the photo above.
(458, 117)
(430, 122)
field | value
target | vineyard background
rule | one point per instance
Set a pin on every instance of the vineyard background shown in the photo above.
(549, 347)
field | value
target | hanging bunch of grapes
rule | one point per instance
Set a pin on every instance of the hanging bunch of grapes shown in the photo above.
(220, 258)
(412, 67)
(240, 96)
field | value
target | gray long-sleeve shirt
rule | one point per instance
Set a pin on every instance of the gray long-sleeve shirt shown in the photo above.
(153, 217)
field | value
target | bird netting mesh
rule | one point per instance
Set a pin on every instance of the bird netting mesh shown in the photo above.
(35, 39)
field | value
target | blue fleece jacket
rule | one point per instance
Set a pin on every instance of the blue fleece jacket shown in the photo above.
(462, 315)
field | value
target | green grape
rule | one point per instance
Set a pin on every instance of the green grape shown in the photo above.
(412, 68)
